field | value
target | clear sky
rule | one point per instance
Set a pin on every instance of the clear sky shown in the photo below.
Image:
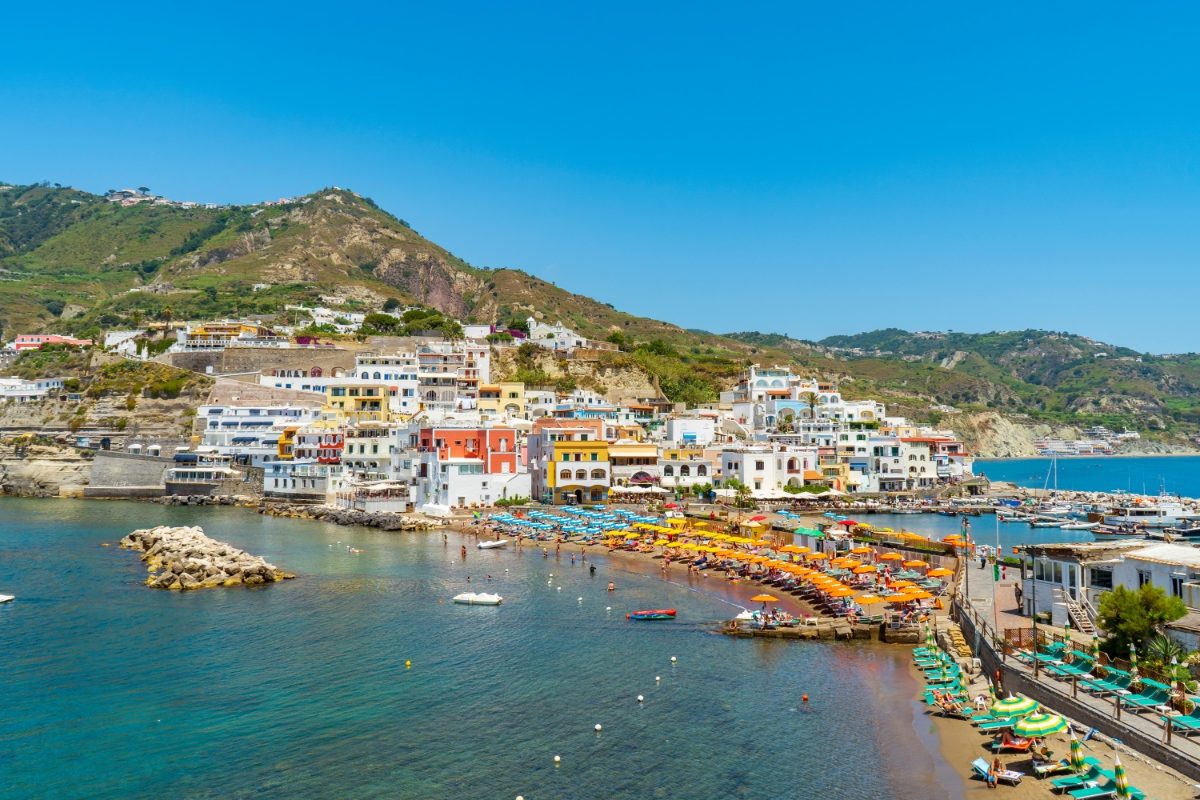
(798, 167)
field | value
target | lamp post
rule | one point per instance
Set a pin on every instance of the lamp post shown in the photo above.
(1033, 616)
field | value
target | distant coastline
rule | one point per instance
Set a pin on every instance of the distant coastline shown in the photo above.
(1001, 459)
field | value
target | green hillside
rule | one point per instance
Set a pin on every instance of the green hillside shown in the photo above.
(71, 261)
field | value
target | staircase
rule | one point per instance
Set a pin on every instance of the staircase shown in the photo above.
(1080, 619)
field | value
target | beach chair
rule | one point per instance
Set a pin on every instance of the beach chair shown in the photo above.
(1108, 788)
(1150, 698)
(1093, 774)
(1007, 744)
(996, 724)
(1185, 724)
(1059, 767)
(1114, 681)
(981, 768)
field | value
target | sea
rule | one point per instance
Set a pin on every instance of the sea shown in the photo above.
(359, 679)
(1150, 475)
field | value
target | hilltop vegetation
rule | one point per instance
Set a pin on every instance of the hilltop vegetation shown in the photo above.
(1052, 377)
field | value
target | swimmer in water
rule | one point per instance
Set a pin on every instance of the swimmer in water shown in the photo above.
(592, 568)
(612, 587)
(464, 552)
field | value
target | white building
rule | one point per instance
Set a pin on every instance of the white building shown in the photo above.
(691, 432)
(554, 337)
(248, 434)
(20, 390)
(1059, 575)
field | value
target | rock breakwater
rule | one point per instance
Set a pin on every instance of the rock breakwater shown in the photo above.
(184, 558)
(384, 520)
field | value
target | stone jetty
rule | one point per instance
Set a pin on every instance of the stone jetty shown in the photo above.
(184, 558)
(385, 520)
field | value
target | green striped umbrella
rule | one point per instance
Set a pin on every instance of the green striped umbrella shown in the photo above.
(1133, 671)
(1121, 780)
(1076, 753)
(1096, 649)
(1039, 725)
(964, 684)
(1014, 706)
(992, 691)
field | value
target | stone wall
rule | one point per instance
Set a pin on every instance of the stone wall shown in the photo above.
(112, 469)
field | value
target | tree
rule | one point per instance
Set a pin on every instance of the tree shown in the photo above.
(144, 189)
(1132, 616)
(381, 325)
(810, 398)
(391, 304)
(211, 293)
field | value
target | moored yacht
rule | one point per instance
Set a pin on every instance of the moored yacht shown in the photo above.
(1165, 512)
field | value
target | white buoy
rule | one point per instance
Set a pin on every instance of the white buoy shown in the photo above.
(520, 797)
(673, 659)
(608, 608)
(641, 699)
(559, 588)
(551, 574)
(557, 759)
(580, 599)
(657, 678)
(599, 727)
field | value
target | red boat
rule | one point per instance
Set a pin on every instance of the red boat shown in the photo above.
(656, 613)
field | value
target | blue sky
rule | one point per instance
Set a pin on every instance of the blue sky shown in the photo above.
(804, 168)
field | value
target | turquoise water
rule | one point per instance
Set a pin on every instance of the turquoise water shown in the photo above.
(1140, 475)
(984, 529)
(299, 689)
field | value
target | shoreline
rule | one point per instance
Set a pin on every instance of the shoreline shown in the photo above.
(1002, 459)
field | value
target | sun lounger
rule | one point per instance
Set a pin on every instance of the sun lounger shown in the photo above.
(1109, 684)
(998, 724)
(1092, 774)
(1008, 744)
(980, 769)
(1148, 699)
(1185, 723)
(1107, 788)
(1057, 767)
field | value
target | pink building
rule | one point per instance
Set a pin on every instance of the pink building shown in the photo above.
(35, 341)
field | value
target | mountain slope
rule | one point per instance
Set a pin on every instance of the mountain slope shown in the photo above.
(72, 261)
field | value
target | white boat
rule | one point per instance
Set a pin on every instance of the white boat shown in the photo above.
(492, 545)
(478, 599)
(1166, 512)
(1046, 523)
(5, 598)
(1080, 526)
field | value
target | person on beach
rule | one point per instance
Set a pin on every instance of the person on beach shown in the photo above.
(463, 550)
(994, 773)
(592, 569)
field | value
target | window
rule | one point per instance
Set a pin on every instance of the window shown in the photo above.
(598, 474)
(701, 470)
(759, 465)
(1177, 586)
(581, 475)
(685, 471)
(1143, 577)
(565, 474)
(668, 471)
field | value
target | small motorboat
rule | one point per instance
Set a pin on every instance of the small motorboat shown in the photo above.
(1080, 526)
(6, 598)
(492, 545)
(651, 614)
(478, 599)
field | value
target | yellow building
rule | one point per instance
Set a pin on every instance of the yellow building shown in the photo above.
(287, 443)
(359, 402)
(504, 398)
(572, 459)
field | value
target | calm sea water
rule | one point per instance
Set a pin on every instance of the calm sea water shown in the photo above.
(984, 529)
(1140, 475)
(300, 690)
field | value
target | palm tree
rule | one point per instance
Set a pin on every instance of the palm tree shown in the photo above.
(811, 399)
